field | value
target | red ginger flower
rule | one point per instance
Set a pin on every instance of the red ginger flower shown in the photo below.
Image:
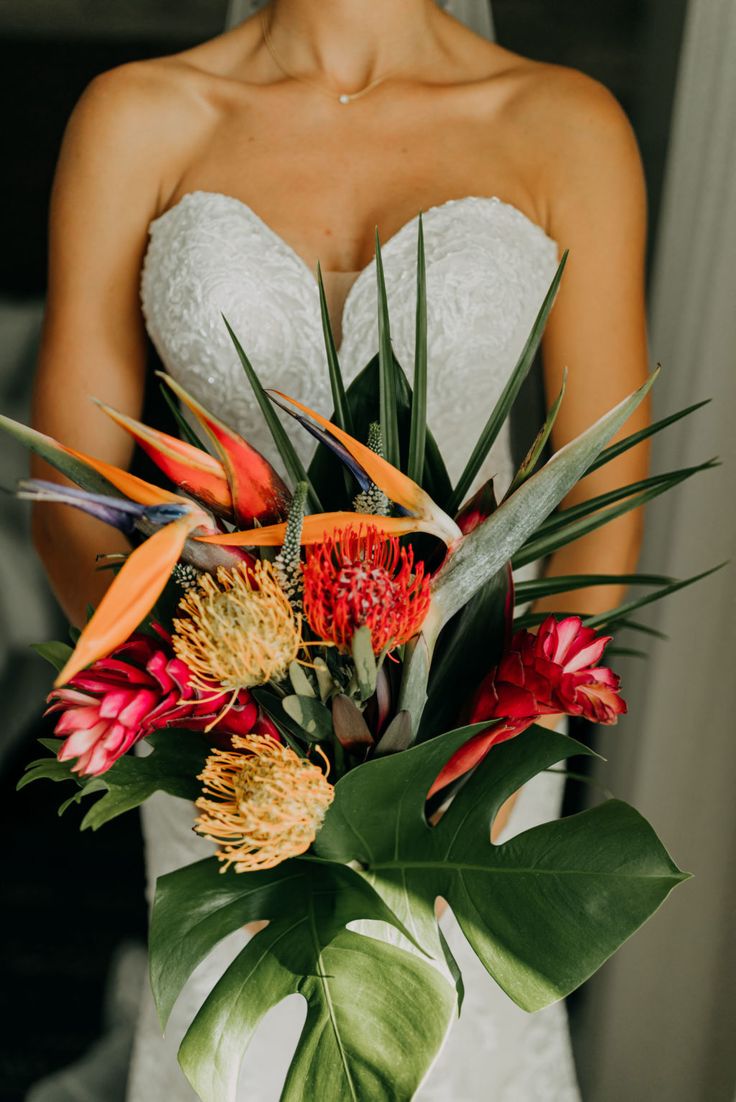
(140, 687)
(361, 577)
(549, 673)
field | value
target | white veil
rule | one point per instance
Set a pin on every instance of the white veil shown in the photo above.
(475, 14)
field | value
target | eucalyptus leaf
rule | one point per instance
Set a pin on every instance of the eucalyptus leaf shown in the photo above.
(299, 680)
(311, 715)
(365, 661)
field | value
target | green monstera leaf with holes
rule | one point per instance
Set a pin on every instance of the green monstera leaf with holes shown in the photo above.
(376, 1014)
(544, 909)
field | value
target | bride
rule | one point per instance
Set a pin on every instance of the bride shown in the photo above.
(214, 180)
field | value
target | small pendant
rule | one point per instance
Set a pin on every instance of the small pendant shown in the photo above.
(344, 98)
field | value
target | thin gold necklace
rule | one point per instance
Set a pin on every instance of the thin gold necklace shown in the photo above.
(341, 97)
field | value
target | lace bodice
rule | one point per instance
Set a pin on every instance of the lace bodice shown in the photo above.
(488, 268)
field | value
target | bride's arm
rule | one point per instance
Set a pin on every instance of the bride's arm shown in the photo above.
(597, 329)
(93, 340)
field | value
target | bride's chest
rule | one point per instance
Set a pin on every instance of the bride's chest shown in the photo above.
(487, 269)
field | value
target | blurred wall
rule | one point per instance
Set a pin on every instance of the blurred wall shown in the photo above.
(660, 1017)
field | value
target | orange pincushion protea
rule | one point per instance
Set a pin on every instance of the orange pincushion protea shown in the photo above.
(362, 578)
(262, 803)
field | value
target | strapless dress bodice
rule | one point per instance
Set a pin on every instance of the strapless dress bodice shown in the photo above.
(488, 269)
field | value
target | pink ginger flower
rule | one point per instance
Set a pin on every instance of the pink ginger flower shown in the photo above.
(138, 689)
(551, 673)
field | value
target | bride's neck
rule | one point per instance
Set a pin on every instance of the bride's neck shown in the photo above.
(352, 41)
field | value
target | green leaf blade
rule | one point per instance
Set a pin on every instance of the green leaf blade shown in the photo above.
(387, 371)
(418, 432)
(508, 396)
(498, 539)
(286, 450)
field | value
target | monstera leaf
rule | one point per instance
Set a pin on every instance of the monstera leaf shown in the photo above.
(376, 1014)
(543, 910)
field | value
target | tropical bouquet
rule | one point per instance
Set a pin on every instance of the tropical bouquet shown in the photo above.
(337, 669)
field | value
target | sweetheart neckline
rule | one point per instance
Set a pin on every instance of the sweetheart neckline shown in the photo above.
(290, 252)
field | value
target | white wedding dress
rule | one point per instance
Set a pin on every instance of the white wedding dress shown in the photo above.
(488, 268)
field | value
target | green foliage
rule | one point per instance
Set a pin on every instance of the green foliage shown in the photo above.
(643, 434)
(58, 654)
(363, 401)
(418, 433)
(485, 550)
(286, 450)
(75, 469)
(467, 649)
(387, 373)
(534, 454)
(186, 431)
(342, 418)
(172, 766)
(376, 1014)
(543, 910)
(508, 396)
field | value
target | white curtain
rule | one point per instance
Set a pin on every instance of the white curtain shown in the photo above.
(659, 1019)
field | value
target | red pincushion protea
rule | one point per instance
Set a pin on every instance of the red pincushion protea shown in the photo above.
(136, 690)
(553, 672)
(361, 577)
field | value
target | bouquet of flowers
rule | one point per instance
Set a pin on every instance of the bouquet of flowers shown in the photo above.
(333, 673)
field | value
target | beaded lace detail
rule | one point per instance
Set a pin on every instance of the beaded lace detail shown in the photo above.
(488, 269)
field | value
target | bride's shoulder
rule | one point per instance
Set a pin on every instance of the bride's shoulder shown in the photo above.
(567, 128)
(155, 91)
(555, 104)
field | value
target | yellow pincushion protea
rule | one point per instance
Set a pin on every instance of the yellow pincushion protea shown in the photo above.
(261, 806)
(238, 629)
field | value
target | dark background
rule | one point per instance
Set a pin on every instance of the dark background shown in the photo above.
(70, 899)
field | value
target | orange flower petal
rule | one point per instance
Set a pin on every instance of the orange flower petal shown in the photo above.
(315, 528)
(145, 493)
(396, 485)
(193, 470)
(131, 596)
(258, 491)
